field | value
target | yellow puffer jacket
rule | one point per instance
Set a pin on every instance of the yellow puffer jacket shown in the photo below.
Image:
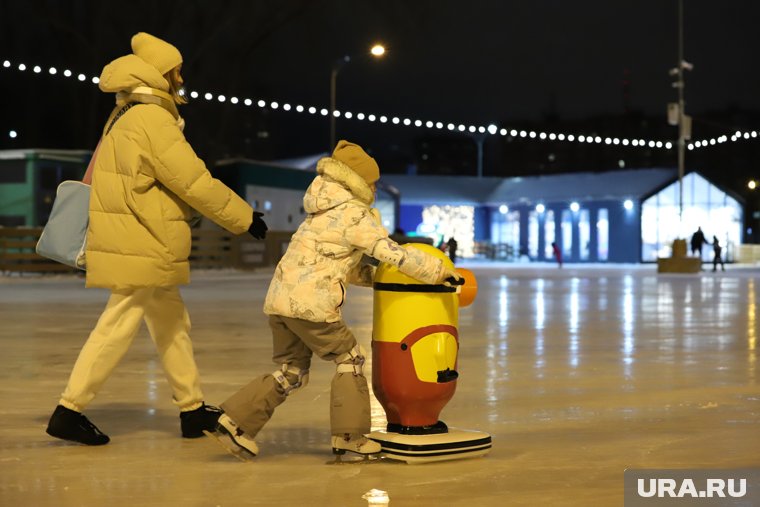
(146, 181)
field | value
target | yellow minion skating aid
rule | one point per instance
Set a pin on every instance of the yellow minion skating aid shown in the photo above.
(414, 364)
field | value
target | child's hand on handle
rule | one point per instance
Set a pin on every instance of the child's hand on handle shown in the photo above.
(450, 278)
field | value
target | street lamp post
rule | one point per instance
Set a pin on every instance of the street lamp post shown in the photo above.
(377, 51)
(684, 121)
(339, 63)
(479, 139)
(753, 217)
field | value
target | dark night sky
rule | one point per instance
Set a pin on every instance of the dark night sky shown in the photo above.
(473, 62)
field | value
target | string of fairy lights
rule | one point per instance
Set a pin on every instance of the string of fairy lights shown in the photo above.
(409, 122)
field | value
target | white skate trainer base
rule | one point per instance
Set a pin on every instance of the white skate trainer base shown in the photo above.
(577, 375)
(418, 449)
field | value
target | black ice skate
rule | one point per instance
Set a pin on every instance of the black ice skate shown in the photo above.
(70, 425)
(196, 421)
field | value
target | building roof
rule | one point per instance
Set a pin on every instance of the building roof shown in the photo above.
(239, 172)
(613, 185)
(47, 154)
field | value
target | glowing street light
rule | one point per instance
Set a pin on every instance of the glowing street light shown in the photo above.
(752, 184)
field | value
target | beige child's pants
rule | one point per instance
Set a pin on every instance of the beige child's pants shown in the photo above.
(294, 341)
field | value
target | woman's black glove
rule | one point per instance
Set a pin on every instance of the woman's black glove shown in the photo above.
(258, 228)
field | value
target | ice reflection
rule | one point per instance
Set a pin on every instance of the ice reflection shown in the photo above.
(688, 305)
(540, 318)
(574, 305)
(503, 302)
(540, 309)
(725, 308)
(665, 317)
(497, 350)
(751, 326)
(628, 327)
(722, 307)
(573, 327)
(602, 294)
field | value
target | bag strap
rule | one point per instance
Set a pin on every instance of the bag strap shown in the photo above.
(87, 180)
(118, 115)
(88, 173)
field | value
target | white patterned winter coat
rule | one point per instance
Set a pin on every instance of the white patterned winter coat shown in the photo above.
(325, 252)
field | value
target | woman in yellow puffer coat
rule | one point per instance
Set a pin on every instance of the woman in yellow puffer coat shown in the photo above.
(146, 182)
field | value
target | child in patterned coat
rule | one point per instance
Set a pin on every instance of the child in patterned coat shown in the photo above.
(305, 298)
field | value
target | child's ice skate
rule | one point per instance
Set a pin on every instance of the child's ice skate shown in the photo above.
(233, 439)
(358, 444)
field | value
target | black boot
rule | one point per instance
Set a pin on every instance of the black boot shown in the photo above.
(70, 425)
(202, 418)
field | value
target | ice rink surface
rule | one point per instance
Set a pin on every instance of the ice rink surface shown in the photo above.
(578, 374)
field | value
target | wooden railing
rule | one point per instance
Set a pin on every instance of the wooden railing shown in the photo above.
(497, 251)
(217, 248)
(749, 254)
(212, 248)
(17, 252)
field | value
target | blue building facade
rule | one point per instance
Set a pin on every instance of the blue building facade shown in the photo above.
(592, 217)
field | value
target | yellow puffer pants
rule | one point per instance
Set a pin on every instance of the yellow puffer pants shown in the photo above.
(164, 313)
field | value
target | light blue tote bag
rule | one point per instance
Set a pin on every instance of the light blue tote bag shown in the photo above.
(65, 235)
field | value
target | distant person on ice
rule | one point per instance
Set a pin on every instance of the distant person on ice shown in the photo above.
(697, 241)
(557, 254)
(717, 249)
(305, 298)
(451, 246)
